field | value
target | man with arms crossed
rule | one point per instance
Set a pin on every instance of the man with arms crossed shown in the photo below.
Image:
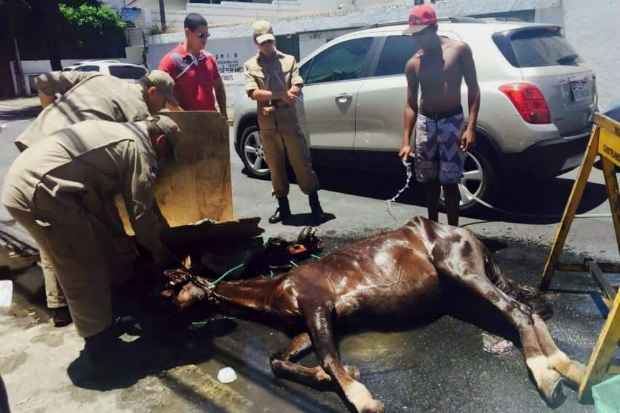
(441, 135)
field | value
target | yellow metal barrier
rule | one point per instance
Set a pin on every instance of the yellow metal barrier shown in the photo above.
(604, 142)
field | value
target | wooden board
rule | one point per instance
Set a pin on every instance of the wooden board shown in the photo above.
(195, 185)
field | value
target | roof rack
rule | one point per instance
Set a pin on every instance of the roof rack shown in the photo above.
(455, 19)
(461, 19)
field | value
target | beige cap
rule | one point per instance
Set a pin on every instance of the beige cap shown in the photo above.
(263, 31)
(163, 83)
(166, 126)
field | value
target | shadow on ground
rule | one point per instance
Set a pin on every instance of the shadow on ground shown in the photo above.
(527, 201)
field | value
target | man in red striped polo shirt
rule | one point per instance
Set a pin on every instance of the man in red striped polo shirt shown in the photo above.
(194, 70)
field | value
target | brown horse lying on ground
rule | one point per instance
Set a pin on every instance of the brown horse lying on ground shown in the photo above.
(391, 274)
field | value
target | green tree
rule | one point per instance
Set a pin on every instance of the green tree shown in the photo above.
(95, 30)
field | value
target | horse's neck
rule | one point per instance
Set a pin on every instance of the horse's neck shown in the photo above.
(250, 295)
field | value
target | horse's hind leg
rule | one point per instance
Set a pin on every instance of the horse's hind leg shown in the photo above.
(568, 368)
(547, 380)
(281, 364)
(320, 325)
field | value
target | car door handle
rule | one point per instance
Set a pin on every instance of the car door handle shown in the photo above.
(343, 98)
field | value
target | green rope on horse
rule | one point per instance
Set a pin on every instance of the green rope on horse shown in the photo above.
(227, 273)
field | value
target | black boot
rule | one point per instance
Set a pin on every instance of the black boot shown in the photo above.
(283, 211)
(61, 316)
(318, 216)
(105, 346)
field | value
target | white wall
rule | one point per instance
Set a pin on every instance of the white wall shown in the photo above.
(228, 12)
(234, 12)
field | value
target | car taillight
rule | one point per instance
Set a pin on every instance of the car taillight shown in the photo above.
(529, 102)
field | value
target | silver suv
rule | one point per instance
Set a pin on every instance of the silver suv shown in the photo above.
(537, 101)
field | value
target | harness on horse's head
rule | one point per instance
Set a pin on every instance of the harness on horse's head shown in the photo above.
(277, 255)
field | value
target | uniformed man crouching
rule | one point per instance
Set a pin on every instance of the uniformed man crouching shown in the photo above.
(273, 80)
(53, 188)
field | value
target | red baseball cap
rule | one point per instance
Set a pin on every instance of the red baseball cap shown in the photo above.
(420, 17)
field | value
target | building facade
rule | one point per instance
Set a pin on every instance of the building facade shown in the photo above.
(232, 44)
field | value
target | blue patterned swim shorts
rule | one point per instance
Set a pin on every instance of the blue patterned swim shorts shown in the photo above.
(438, 156)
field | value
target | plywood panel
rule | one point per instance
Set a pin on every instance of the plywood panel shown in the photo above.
(196, 184)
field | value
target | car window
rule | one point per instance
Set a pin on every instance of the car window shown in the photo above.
(397, 50)
(537, 47)
(127, 72)
(343, 61)
(90, 68)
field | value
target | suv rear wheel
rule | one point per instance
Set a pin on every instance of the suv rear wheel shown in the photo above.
(252, 154)
(479, 181)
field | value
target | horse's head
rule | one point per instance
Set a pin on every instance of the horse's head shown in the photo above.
(185, 289)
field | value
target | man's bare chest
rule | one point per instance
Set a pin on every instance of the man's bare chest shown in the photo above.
(440, 68)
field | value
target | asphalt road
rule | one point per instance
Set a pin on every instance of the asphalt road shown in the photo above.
(436, 366)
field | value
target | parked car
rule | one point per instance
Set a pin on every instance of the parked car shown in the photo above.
(537, 102)
(127, 71)
(614, 111)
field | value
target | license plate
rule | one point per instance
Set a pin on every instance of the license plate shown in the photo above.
(580, 91)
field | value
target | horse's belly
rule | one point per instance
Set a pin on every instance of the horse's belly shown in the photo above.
(398, 297)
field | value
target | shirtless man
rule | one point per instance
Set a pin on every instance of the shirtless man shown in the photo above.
(441, 135)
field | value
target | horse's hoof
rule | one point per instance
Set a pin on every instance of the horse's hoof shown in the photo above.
(553, 392)
(374, 406)
(353, 372)
(276, 366)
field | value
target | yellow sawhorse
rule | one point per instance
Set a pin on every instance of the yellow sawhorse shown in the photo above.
(604, 142)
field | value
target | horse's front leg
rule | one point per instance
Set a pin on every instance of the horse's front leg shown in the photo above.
(320, 325)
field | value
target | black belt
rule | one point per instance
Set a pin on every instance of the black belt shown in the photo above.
(442, 115)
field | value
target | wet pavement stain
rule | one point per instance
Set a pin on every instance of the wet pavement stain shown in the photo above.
(149, 395)
(24, 317)
(79, 395)
(50, 339)
(11, 362)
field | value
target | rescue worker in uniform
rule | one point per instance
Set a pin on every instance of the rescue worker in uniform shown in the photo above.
(54, 189)
(83, 96)
(273, 81)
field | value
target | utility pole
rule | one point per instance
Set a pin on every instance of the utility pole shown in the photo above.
(162, 15)
(19, 71)
(51, 21)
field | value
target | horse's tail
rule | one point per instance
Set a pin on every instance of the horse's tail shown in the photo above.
(522, 293)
